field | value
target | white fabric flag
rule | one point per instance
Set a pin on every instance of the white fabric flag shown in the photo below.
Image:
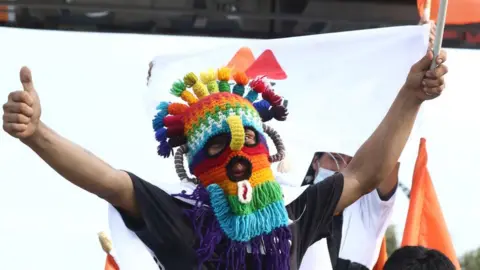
(339, 88)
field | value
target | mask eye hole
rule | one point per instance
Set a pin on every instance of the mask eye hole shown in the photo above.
(251, 138)
(216, 145)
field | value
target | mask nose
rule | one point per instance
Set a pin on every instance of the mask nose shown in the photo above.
(238, 169)
(237, 131)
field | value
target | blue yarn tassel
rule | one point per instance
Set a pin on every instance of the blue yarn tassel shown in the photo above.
(251, 96)
(238, 89)
(157, 121)
(263, 108)
(161, 135)
(163, 106)
(164, 149)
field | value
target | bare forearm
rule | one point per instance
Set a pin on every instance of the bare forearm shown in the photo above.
(75, 164)
(389, 184)
(378, 156)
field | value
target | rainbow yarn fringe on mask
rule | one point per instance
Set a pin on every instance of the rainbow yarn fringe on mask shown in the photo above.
(262, 215)
(269, 251)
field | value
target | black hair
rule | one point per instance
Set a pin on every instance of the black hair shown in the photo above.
(418, 258)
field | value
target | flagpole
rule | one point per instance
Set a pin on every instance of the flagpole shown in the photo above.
(442, 14)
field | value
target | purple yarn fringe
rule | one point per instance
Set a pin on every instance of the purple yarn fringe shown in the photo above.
(276, 255)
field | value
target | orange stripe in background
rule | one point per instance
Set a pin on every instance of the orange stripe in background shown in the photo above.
(458, 11)
(4, 13)
(425, 225)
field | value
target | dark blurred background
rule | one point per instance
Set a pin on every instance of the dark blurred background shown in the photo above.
(226, 18)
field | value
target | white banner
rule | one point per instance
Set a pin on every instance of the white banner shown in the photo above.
(339, 87)
(92, 90)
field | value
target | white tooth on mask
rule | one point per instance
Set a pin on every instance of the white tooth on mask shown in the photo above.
(244, 191)
(323, 174)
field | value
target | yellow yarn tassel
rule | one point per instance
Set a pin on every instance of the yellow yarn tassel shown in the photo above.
(224, 73)
(198, 87)
(188, 97)
(237, 131)
(209, 78)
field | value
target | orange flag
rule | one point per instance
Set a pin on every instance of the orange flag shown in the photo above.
(425, 225)
(458, 11)
(110, 263)
(382, 256)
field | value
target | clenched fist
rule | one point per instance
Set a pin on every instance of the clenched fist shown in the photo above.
(21, 113)
(424, 83)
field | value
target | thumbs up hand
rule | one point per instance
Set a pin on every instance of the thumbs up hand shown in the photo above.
(21, 113)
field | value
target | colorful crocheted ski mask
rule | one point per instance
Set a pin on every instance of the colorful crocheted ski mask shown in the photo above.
(250, 210)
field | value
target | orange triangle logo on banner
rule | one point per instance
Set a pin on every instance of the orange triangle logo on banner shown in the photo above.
(242, 60)
(266, 65)
(425, 225)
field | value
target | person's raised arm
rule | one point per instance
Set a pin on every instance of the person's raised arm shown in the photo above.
(377, 157)
(21, 119)
(389, 185)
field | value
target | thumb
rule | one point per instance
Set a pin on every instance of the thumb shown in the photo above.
(26, 79)
(424, 63)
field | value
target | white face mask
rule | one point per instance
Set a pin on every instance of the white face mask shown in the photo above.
(323, 174)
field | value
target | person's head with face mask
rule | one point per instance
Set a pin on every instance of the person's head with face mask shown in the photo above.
(326, 164)
(221, 132)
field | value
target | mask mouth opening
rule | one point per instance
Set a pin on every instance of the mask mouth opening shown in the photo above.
(238, 169)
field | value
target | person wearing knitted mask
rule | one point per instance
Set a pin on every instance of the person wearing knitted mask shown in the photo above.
(358, 231)
(236, 216)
